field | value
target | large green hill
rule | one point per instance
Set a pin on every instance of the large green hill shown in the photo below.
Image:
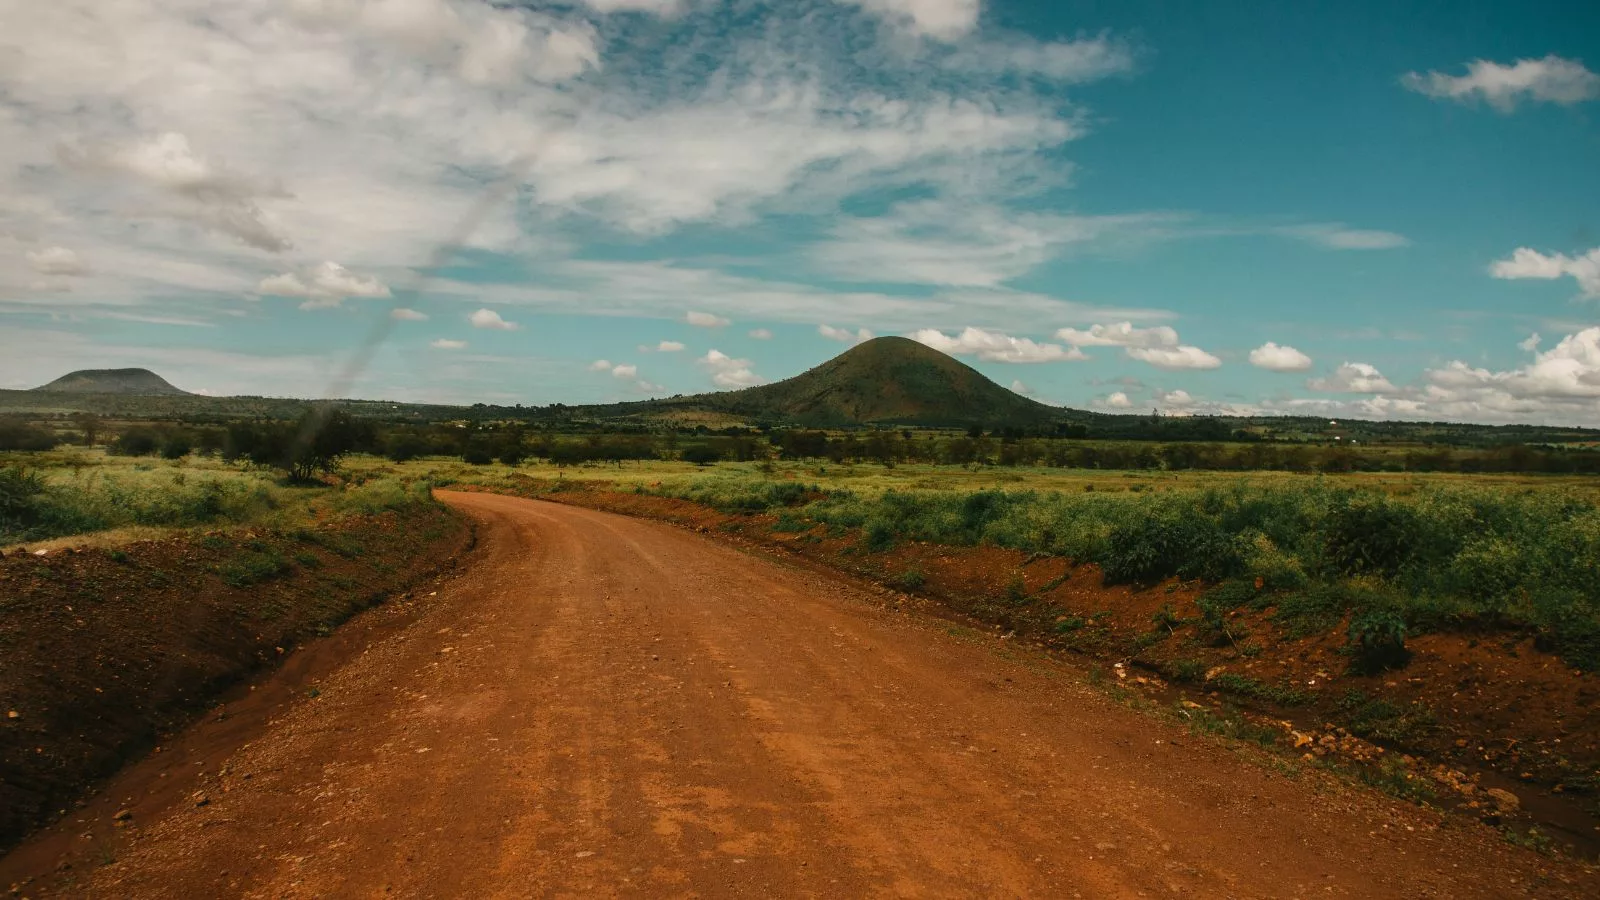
(884, 381)
(138, 382)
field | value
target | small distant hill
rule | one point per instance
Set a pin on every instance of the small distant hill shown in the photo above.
(884, 381)
(138, 382)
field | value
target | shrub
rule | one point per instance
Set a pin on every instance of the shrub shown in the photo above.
(1377, 641)
(702, 455)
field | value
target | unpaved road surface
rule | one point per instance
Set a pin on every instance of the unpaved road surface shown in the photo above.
(603, 706)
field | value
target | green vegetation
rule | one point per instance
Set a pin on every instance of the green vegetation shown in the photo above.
(76, 492)
(1440, 558)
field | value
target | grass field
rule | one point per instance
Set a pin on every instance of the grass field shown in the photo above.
(869, 479)
(72, 492)
(1383, 556)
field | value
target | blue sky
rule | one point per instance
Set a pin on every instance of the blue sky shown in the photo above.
(1328, 208)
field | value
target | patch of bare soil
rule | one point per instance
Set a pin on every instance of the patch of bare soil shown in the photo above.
(1487, 724)
(103, 652)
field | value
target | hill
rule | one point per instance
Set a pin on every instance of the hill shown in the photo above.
(141, 382)
(884, 381)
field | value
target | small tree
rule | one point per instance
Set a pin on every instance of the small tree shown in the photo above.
(313, 444)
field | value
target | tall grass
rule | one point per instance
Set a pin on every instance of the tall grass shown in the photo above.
(1443, 558)
(49, 503)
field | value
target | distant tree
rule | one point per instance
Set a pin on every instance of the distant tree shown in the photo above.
(313, 444)
(15, 434)
(177, 444)
(139, 440)
(701, 455)
(477, 454)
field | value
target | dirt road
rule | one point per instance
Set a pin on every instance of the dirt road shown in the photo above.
(605, 706)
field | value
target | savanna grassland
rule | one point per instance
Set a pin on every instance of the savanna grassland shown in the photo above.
(1420, 614)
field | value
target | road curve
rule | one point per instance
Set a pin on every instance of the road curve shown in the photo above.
(604, 706)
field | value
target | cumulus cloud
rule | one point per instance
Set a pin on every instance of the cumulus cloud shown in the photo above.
(1120, 334)
(1353, 378)
(402, 314)
(1279, 358)
(705, 320)
(669, 347)
(945, 20)
(448, 344)
(1184, 357)
(1529, 263)
(600, 365)
(1548, 80)
(992, 346)
(1179, 399)
(56, 261)
(324, 286)
(1115, 400)
(1530, 343)
(845, 335)
(198, 189)
(727, 372)
(488, 318)
(1017, 387)
(625, 371)
(761, 334)
(1157, 345)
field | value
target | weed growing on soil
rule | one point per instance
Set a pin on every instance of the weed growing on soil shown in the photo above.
(1438, 559)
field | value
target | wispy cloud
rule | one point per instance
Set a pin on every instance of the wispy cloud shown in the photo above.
(1551, 79)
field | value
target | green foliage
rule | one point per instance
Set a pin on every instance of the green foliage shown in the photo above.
(702, 455)
(1381, 720)
(912, 578)
(1244, 686)
(16, 434)
(19, 500)
(1378, 641)
(253, 567)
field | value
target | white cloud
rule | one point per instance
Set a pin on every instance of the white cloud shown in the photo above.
(1549, 80)
(448, 344)
(324, 286)
(1157, 345)
(56, 261)
(845, 335)
(1353, 378)
(1334, 236)
(995, 347)
(600, 365)
(1115, 400)
(945, 20)
(1528, 263)
(1179, 399)
(669, 347)
(1017, 387)
(658, 7)
(403, 314)
(184, 185)
(705, 320)
(1530, 343)
(488, 318)
(1184, 357)
(1279, 358)
(761, 334)
(1120, 334)
(727, 372)
(966, 244)
(625, 371)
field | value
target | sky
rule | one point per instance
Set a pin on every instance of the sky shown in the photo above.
(1359, 209)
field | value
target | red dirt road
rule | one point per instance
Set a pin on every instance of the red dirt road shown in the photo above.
(604, 706)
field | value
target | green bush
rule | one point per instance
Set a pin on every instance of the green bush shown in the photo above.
(1378, 641)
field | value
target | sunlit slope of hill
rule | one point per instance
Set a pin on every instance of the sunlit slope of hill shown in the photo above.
(137, 382)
